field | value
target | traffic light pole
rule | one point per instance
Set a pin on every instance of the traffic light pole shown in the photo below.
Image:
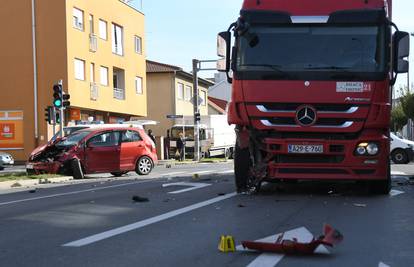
(196, 69)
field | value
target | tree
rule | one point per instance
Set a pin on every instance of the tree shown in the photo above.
(398, 118)
(407, 103)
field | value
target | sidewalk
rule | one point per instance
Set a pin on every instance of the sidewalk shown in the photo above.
(27, 183)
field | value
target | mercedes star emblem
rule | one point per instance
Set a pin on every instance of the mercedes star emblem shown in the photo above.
(306, 115)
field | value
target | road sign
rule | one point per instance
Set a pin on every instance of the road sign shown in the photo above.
(175, 116)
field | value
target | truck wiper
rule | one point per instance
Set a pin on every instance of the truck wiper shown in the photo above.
(276, 68)
(328, 68)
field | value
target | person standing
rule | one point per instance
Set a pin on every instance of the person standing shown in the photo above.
(167, 145)
(151, 136)
(180, 147)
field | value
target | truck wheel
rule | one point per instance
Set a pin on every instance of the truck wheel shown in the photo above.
(382, 187)
(77, 171)
(399, 156)
(144, 166)
(241, 168)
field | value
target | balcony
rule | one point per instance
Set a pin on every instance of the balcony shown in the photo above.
(119, 94)
(94, 92)
(93, 43)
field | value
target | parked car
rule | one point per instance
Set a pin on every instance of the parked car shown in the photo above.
(402, 150)
(6, 159)
(112, 150)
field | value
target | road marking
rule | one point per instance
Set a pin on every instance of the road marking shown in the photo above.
(381, 264)
(271, 259)
(201, 172)
(394, 192)
(395, 173)
(173, 173)
(72, 193)
(193, 186)
(130, 227)
(229, 171)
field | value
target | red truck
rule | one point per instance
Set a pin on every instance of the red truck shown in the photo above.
(311, 90)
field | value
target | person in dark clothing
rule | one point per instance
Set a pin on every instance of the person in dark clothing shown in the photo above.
(151, 136)
(180, 147)
(167, 145)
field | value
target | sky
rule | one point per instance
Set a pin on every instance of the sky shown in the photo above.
(180, 30)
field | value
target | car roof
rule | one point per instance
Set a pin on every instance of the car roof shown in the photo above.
(105, 129)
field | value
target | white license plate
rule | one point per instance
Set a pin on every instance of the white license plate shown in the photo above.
(305, 149)
(29, 166)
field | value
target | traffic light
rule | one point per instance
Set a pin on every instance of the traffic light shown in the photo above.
(57, 96)
(49, 114)
(57, 117)
(66, 102)
(197, 116)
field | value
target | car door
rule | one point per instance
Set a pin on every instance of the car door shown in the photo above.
(103, 152)
(132, 147)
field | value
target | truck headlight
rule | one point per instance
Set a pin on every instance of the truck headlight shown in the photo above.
(372, 149)
(361, 150)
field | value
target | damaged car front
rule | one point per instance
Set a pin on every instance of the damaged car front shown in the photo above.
(56, 157)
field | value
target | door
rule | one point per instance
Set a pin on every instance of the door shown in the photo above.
(132, 147)
(103, 152)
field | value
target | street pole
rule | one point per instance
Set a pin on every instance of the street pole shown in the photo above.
(196, 110)
(61, 112)
(184, 137)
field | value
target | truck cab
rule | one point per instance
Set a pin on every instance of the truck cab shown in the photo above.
(311, 90)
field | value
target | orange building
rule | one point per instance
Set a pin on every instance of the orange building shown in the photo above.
(96, 49)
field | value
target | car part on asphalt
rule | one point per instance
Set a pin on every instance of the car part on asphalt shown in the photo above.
(77, 171)
(330, 238)
(140, 199)
(227, 244)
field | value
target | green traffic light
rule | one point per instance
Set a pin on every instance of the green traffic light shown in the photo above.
(57, 103)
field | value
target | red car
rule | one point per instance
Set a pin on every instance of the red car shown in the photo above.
(113, 150)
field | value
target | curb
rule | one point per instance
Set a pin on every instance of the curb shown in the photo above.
(174, 163)
(16, 184)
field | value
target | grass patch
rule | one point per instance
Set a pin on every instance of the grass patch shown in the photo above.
(24, 176)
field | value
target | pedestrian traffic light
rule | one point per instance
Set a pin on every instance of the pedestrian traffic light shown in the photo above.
(49, 114)
(57, 117)
(57, 96)
(197, 116)
(66, 102)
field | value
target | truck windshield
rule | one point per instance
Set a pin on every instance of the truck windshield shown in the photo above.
(321, 49)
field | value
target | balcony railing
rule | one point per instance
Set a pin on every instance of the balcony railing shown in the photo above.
(119, 94)
(93, 43)
(94, 92)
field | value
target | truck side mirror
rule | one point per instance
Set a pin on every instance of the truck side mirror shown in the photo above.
(223, 51)
(401, 44)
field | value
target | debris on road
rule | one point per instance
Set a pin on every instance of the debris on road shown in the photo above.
(227, 244)
(330, 238)
(241, 206)
(196, 176)
(360, 205)
(140, 199)
(17, 184)
(221, 194)
(32, 191)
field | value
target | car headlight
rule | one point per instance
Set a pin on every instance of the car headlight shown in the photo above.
(372, 149)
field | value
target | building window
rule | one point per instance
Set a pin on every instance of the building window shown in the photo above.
(79, 69)
(117, 40)
(180, 91)
(203, 96)
(78, 19)
(138, 44)
(188, 93)
(138, 85)
(92, 73)
(104, 75)
(103, 30)
(91, 26)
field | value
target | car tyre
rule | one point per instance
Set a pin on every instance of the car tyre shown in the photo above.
(399, 156)
(241, 168)
(118, 174)
(77, 171)
(144, 166)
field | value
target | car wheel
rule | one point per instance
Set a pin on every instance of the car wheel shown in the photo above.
(144, 166)
(77, 171)
(118, 174)
(241, 168)
(399, 156)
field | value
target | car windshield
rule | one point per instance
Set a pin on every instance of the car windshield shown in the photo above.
(67, 131)
(313, 49)
(72, 139)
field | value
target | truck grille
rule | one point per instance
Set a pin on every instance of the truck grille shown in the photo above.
(308, 159)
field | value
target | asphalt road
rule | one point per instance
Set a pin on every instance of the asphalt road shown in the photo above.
(96, 222)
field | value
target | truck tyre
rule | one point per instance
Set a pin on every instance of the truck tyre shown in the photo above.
(77, 171)
(241, 168)
(382, 187)
(399, 156)
(144, 166)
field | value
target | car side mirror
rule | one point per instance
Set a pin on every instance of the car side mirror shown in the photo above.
(401, 44)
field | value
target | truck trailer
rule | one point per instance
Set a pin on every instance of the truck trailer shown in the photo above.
(311, 90)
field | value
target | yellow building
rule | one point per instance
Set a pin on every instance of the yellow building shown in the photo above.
(170, 92)
(96, 47)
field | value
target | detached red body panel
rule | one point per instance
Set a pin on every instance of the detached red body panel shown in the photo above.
(330, 238)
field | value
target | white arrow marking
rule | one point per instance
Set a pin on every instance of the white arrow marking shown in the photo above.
(193, 186)
(398, 173)
(271, 259)
(394, 193)
(229, 171)
(381, 264)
